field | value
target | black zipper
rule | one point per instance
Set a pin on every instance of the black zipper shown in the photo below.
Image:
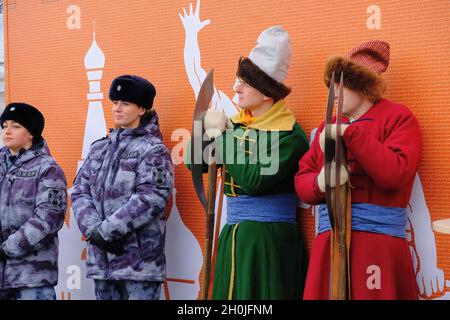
(10, 190)
(3, 237)
(1, 227)
(8, 170)
(103, 187)
(1, 234)
(138, 239)
(103, 198)
(114, 173)
(3, 273)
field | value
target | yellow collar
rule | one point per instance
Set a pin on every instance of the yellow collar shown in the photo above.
(278, 117)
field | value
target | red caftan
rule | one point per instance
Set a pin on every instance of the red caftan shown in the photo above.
(384, 148)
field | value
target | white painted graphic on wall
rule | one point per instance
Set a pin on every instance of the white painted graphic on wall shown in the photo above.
(183, 257)
(73, 283)
(430, 278)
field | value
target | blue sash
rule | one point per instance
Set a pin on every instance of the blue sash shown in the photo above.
(371, 218)
(271, 208)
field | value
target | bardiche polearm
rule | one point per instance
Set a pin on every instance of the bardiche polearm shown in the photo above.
(208, 203)
(337, 199)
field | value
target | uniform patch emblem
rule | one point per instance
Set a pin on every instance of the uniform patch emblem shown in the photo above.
(55, 197)
(25, 174)
(129, 155)
(159, 176)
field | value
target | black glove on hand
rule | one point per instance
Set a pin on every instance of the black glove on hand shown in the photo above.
(114, 247)
(3, 255)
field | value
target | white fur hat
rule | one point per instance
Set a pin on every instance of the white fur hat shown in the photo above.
(272, 53)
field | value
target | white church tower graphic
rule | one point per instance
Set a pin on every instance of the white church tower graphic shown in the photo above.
(95, 128)
(73, 283)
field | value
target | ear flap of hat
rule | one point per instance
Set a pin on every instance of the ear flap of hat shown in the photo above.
(356, 77)
(258, 79)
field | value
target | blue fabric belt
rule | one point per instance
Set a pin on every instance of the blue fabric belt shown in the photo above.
(272, 208)
(371, 218)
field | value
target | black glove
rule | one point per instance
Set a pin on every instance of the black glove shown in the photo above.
(3, 256)
(114, 247)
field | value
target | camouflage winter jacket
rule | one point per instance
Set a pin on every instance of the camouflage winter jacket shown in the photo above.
(33, 201)
(122, 189)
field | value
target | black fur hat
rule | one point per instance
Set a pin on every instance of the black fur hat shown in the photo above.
(133, 89)
(28, 116)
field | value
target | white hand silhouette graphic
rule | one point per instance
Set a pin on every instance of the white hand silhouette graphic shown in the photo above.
(430, 278)
(191, 22)
(192, 60)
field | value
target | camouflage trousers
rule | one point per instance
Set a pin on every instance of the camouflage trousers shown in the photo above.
(40, 293)
(127, 290)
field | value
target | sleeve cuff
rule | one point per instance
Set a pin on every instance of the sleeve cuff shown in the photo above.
(316, 188)
(103, 233)
(4, 249)
(349, 134)
(10, 253)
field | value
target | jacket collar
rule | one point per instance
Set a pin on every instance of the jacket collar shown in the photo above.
(278, 117)
(148, 127)
(36, 150)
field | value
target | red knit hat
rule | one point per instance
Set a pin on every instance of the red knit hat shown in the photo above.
(374, 55)
(362, 68)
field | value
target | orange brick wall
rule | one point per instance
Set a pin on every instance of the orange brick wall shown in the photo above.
(44, 66)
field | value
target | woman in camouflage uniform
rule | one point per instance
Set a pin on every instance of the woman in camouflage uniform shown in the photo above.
(120, 194)
(33, 201)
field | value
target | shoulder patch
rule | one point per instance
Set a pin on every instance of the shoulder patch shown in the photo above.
(55, 197)
(159, 176)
